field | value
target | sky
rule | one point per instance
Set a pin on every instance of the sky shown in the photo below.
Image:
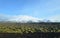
(47, 9)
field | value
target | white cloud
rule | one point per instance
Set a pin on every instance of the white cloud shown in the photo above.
(55, 18)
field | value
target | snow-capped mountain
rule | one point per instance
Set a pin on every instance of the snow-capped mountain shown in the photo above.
(20, 18)
(24, 18)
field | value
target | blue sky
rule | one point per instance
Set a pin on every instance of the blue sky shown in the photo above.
(35, 8)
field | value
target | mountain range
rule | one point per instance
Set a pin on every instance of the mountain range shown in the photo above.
(23, 18)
